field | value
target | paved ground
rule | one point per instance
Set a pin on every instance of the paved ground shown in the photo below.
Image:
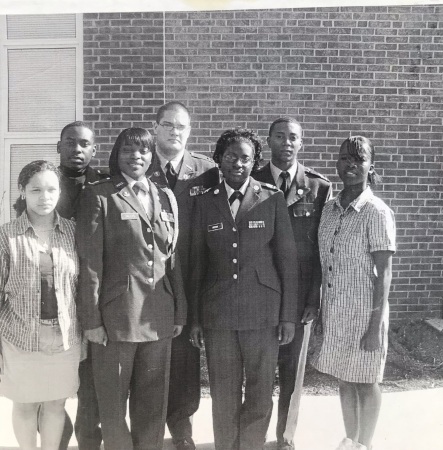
(408, 421)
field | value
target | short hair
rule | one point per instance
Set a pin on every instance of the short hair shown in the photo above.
(77, 123)
(358, 146)
(285, 119)
(169, 107)
(26, 174)
(134, 135)
(228, 137)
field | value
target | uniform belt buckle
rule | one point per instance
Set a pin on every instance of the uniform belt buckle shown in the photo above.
(50, 322)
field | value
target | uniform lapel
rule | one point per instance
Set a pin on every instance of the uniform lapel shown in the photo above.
(186, 172)
(125, 193)
(252, 196)
(298, 188)
(155, 172)
(220, 197)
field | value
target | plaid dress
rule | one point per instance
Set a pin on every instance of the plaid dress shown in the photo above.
(346, 239)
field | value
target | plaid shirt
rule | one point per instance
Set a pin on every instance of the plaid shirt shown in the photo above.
(20, 280)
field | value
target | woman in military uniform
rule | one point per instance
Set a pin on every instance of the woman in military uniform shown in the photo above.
(243, 291)
(131, 298)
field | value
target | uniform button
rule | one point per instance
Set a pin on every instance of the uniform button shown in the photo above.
(235, 276)
(234, 229)
(150, 247)
(234, 261)
(335, 232)
(150, 263)
(163, 259)
(308, 213)
(330, 268)
(332, 250)
(234, 244)
(148, 230)
(329, 285)
(150, 280)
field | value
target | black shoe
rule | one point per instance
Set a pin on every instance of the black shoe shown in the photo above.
(184, 444)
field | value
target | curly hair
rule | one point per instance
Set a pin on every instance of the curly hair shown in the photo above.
(228, 137)
(26, 174)
(138, 136)
(360, 146)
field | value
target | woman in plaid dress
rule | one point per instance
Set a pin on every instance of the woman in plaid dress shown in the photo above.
(357, 241)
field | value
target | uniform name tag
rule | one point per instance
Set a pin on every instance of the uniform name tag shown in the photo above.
(215, 227)
(256, 224)
(167, 216)
(129, 216)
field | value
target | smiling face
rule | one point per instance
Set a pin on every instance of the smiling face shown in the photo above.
(76, 148)
(236, 163)
(285, 142)
(353, 169)
(42, 193)
(134, 159)
(172, 132)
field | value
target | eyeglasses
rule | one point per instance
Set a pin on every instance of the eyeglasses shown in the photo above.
(168, 126)
(230, 157)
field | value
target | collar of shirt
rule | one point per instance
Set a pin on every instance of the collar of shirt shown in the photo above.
(23, 223)
(275, 171)
(359, 202)
(176, 161)
(242, 189)
(131, 181)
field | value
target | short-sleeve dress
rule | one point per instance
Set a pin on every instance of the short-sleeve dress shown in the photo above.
(346, 240)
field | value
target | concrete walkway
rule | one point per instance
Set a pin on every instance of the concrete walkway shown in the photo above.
(408, 421)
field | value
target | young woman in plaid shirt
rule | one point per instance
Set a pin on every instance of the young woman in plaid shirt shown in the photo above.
(40, 334)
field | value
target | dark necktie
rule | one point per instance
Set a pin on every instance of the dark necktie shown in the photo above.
(171, 175)
(236, 195)
(285, 185)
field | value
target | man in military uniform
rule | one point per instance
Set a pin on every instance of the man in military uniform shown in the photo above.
(187, 174)
(76, 148)
(306, 192)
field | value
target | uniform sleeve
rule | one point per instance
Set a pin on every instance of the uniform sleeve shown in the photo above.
(89, 236)
(381, 230)
(198, 260)
(284, 251)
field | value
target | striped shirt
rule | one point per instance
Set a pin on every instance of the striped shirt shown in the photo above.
(347, 238)
(20, 282)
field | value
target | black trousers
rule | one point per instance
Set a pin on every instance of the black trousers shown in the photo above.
(234, 357)
(141, 368)
(184, 386)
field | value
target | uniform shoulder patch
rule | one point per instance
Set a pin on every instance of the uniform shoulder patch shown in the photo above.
(310, 171)
(271, 187)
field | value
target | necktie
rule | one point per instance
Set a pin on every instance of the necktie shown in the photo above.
(236, 195)
(285, 185)
(140, 191)
(171, 175)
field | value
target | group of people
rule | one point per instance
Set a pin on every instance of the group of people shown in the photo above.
(111, 284)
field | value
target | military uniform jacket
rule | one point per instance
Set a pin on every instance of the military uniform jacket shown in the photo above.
(128, 281)
(308, 193)
(242, 269)
(197, 174)
(71, 189)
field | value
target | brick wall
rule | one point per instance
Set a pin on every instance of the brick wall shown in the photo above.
(370, 70)
(123, 73)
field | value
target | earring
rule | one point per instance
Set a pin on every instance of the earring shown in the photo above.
(22, 196)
